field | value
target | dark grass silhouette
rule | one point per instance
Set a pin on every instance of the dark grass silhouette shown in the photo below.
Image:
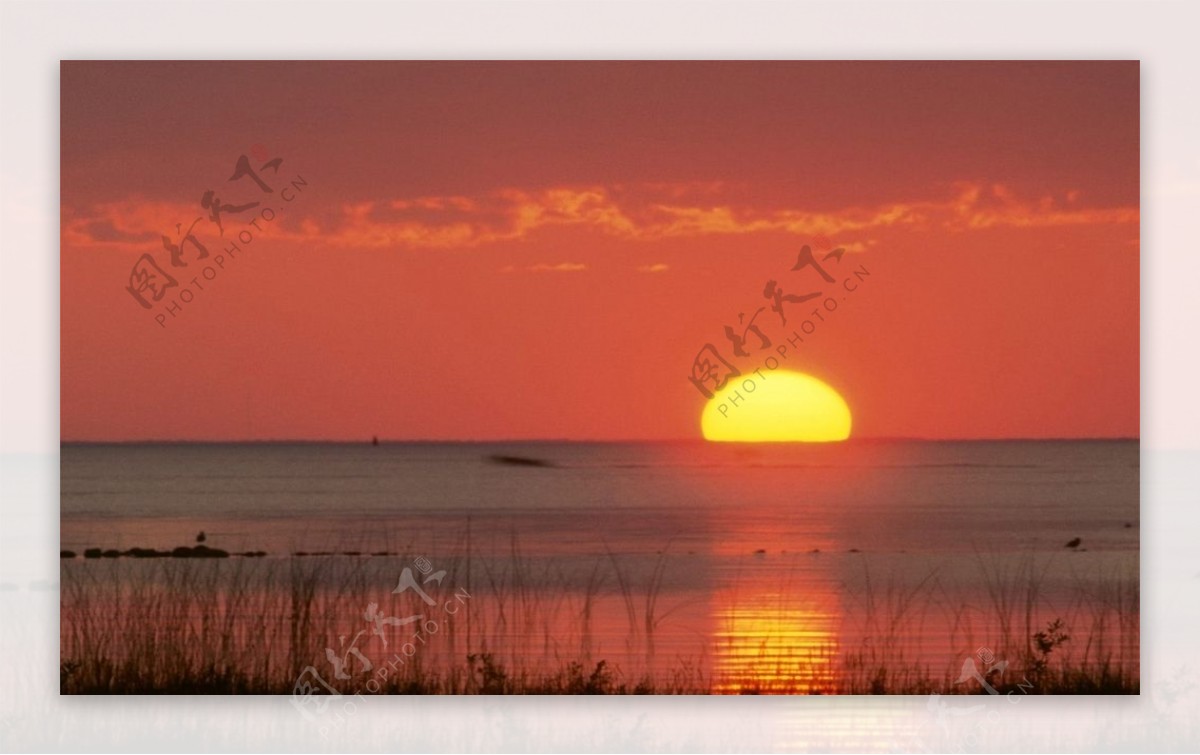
(251, 626)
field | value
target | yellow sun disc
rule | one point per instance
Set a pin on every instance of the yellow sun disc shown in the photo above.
(778, 406)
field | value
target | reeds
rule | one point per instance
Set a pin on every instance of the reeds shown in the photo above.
(521, 625)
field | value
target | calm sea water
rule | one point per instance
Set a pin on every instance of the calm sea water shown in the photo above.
(740, 562)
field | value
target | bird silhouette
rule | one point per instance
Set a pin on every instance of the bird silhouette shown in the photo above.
(201, 537)
(1074, 543)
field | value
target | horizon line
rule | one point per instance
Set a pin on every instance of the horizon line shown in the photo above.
(415, 441)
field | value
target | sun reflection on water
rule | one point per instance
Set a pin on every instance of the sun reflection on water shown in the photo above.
(776, 644)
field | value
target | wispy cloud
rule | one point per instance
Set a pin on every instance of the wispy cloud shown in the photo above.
(651, 212)
(544, 267)
(561, 267)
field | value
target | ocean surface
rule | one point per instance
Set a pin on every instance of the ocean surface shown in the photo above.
(745, 565)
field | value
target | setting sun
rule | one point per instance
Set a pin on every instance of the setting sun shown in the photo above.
(780, 406)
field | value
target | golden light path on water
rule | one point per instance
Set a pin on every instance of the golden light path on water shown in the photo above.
(775, 643)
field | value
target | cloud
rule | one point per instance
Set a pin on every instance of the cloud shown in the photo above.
(657, 267)
(855, 247)
(978, 207)
(646, 212)
(561, 267)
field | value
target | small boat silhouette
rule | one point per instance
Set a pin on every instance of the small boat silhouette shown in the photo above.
(520, 461)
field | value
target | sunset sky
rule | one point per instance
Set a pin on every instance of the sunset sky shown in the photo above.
(540, 249)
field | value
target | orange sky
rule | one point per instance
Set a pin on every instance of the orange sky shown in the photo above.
(539, 250)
